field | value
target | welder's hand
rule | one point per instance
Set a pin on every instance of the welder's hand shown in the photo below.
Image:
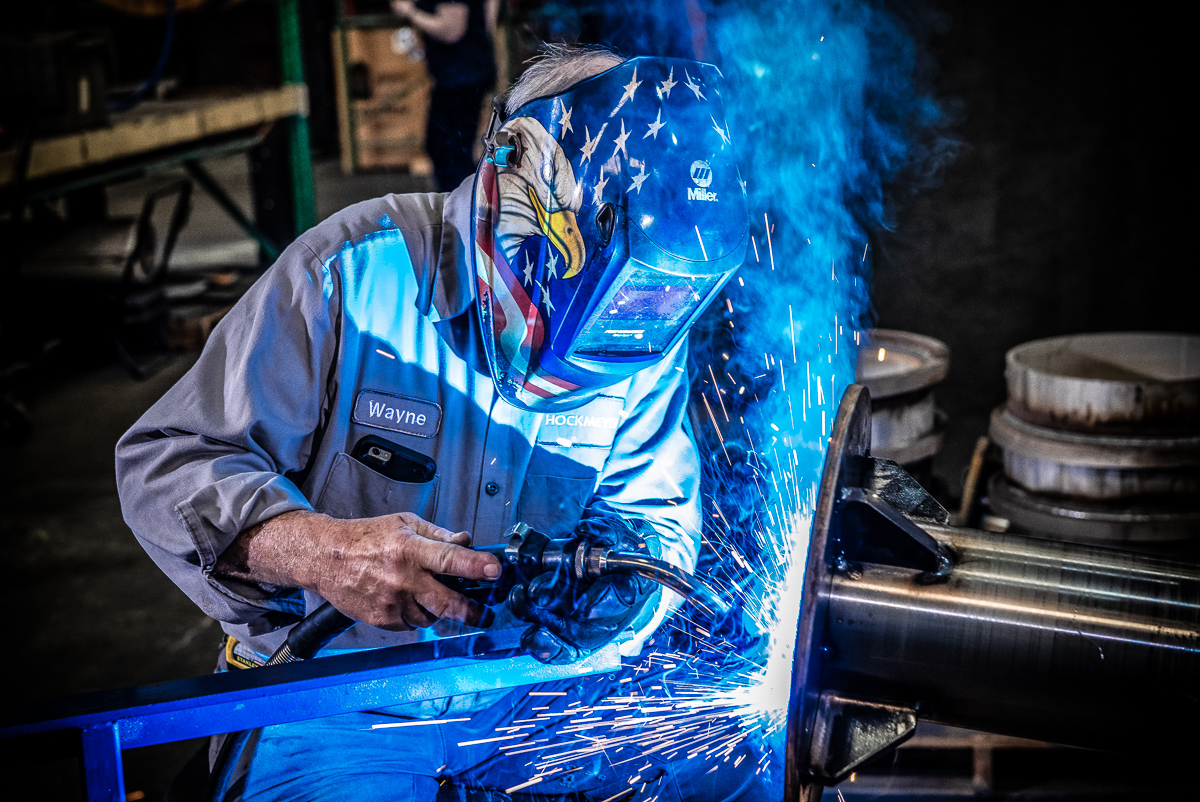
(572, 619)
(381, 571)
(376, 570)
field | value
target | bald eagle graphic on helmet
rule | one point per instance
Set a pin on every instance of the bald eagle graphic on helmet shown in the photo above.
(594, 253)
(541, 198)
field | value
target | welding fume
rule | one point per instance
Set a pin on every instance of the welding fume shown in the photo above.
(433, 402)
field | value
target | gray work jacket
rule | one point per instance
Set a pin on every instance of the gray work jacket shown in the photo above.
(366, 325)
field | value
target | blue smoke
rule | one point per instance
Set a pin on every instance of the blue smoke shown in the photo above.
(828, 106)
(832, 114)
(833, 117)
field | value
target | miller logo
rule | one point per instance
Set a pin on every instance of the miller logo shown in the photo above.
(701, 177)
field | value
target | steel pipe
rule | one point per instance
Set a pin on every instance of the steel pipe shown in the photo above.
(1044, 640)
(905, 617)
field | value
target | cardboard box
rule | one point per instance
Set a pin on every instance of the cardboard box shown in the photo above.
(383, 98)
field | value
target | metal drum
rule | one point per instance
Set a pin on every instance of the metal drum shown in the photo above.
(1101, 432)
(1115, 383)
(901, 370)
(1096, 467)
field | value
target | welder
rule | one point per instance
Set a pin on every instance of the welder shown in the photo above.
(418, 373)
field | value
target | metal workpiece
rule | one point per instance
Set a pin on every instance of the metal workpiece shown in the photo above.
(1101, 440)
(111, 721)
(1117, 382)
(1171, 526)
(906, 618)
(1042, 650)
(1096, 466)
(892, 363)
(901, 369)
(1094, 450)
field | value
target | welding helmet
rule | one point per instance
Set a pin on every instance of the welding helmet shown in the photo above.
(607, 217)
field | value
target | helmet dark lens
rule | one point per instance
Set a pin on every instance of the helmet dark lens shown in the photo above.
(606, 222)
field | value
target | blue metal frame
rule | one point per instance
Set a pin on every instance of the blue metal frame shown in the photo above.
(245, 699)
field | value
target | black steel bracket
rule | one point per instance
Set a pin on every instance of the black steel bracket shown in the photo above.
(849, 732)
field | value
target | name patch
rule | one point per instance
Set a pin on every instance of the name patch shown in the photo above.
(397, 413)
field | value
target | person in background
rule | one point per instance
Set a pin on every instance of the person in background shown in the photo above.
(458, 50)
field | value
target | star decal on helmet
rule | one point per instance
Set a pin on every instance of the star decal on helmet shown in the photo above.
(564, 122)
(655, 126)
(620, 140)
(719, 130)
(630, 89)
(589, 145)
(638, 180)
(528, 270)
(598, 190)
(664, 88)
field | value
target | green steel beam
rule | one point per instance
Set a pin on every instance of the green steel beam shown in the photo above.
(218, 194)
(299, 151)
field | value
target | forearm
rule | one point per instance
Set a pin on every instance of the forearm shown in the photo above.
(381, 570)
(281, 551)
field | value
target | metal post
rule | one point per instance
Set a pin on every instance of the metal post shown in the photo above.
(104, 775)
(299, 152)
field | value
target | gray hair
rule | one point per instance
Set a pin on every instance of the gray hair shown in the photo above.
(556, 68)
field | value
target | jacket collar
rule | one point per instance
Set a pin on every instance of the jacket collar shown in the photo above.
(453, 285)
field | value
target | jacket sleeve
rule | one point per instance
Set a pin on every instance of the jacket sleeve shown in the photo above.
(653, 473)
(211, 458)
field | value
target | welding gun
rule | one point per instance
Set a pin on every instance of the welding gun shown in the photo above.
(526, 554)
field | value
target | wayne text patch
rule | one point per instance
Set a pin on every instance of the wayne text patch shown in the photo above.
(397, 413)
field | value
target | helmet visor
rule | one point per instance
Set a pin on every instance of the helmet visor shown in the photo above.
(644, 313)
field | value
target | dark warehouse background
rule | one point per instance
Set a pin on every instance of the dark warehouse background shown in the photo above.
(1069, 207)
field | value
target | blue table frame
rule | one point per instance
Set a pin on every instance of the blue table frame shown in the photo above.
(110, 721)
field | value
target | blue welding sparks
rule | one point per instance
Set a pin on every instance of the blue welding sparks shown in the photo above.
(825, 107)
(721, 704)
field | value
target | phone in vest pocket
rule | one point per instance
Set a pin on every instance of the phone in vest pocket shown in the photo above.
(394, 460)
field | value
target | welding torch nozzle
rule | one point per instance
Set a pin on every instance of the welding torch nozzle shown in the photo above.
(602, 561)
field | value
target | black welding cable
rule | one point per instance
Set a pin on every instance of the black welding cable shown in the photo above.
(303, 642)
(227, 759)
(311, 635)
(662, 572)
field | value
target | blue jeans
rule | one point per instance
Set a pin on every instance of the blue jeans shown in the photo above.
(341, 757)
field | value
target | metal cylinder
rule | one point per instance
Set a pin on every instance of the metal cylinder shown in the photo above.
(901, 370)
(1102, 428)
(1033, 638)
(1117, 382)
(905, 618)
(1098, 467)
